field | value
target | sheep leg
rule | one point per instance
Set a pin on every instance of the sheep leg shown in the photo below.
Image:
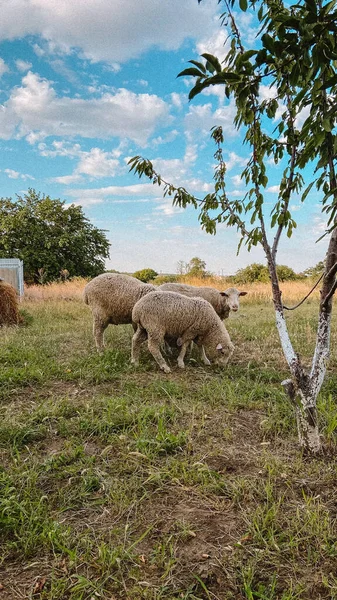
(154, 344)
(182, 353)
(99, 326)
(204, 357)
(138, 338)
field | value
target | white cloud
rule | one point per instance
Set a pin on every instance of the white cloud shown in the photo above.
(234, 160)
(178, 99)
(237, 180)
(67, 179)
(34, 109)
(95, 163)
(22, 65)
(217, 44)
(12, 174)
(104, 30)
(200, 120)
(319, 226)
(236, 193)
(273, 189)
(141, 189)
(98, 164)
(3, 67)
(16, 175)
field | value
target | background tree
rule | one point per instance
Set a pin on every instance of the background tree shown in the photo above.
(296, 55)
(258, 272)
(50, 237)
(196, 268)
(251, 274)
(145, 275)
(181, 267)
(316, 271)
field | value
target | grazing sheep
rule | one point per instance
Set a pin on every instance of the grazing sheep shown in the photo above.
(222, 302)
(9, 305)
(111, 297)
(168, 314)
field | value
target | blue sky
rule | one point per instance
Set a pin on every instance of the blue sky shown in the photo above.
(85, 85)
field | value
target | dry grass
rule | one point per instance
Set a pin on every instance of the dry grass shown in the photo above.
(9, 313)
(293, 291)
(65, 290)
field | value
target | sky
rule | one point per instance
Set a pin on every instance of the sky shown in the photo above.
(86, 85)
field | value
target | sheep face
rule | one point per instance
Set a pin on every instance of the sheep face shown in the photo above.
(220, 353)
(231, 297)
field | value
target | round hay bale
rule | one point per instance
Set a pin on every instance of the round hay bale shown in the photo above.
(9, 305)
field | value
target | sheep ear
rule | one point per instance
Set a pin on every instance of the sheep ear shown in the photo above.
(179, 342)
(243, 293)
(224, 294)
(219, 347)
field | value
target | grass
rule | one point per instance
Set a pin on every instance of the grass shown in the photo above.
(127, 484)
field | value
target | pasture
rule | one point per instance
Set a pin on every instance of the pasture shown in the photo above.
(128, 484)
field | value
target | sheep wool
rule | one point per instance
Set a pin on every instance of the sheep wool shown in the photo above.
(170, 315)
(222, 302)
(111, 297)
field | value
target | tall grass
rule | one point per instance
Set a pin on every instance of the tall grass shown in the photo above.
(292, 291)
(65, 290)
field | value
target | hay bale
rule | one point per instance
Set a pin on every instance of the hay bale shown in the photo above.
(9, 305)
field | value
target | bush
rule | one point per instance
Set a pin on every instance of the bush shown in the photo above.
(167, 279)
(258, 272)
(145, 275)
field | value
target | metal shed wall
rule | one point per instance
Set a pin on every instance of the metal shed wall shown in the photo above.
(11, 270)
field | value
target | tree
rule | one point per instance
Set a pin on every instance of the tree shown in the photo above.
(295, 55)
(258, 272)
(145, 275)
(196, 268)
(50, 237)
(251, 274)
(285, 273)
(316, 271)
(181, 267)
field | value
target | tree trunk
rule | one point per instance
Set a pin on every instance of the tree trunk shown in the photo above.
(303, 388)
(306, 417)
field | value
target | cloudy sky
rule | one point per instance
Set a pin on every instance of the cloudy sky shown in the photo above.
(85, 85)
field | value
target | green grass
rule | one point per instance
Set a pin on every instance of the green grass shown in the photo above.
(128, 484)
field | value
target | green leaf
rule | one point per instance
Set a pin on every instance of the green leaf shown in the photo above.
(329, 83)
(326, 125)
(243, 5)
(268, 42)
(214, 61)
(192, 72)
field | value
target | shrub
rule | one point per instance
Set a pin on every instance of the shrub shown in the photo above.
(145, 275)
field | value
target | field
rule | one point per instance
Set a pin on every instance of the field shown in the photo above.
(127, 484)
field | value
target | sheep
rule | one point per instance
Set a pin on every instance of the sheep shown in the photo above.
(9, 305)
(163, 314)
(111, 297)
(222, 302)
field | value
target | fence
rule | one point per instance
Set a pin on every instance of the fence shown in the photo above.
(11, 270)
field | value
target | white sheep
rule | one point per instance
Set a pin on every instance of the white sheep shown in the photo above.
(163, 314)
(111, 297)
(222, 302)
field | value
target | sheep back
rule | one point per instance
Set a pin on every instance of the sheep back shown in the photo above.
(114, 295)
(212, 295)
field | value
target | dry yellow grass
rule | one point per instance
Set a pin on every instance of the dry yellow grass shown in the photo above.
(65, 290)
(293, 291)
